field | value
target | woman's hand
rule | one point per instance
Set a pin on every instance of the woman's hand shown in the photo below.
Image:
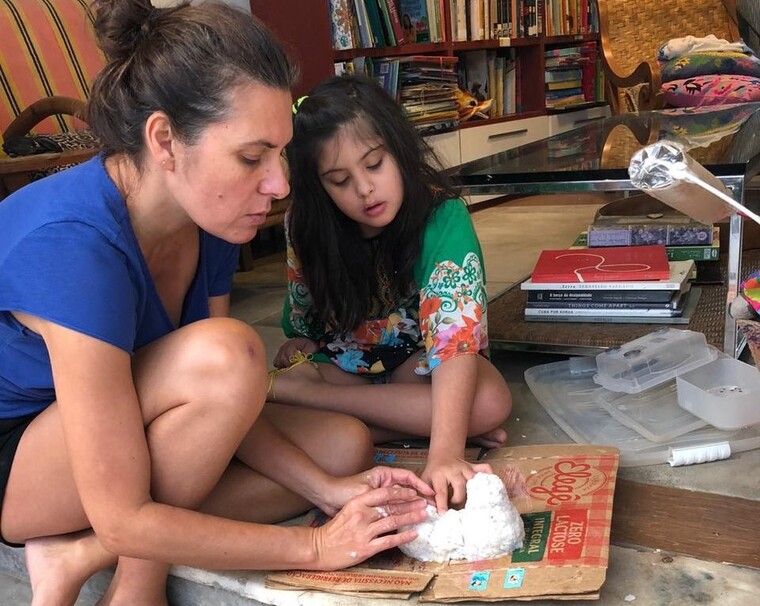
(366, 525)
(289, 348)
(340, 491)
(445, 472)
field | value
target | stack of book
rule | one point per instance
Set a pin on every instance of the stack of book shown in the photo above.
(625, 285)
(427, 89)
(683, 237)
(571, 76)
(563, 81)
(563, 77)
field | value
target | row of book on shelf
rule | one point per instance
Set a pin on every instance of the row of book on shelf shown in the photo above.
(382, 23)
(495, 19)
(504, 19)
(426, 85)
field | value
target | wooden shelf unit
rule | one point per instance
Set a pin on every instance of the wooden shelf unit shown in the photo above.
(305, 28)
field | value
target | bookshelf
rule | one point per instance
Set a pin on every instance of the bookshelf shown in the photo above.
(306, 28)
(307, 31)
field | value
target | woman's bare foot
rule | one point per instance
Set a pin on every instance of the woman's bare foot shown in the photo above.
(137, 582)
(496, 438)
(58, 566)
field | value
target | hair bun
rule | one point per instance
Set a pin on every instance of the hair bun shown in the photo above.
(121, 25)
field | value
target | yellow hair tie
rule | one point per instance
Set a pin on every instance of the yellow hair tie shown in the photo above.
(296, 359)
(297, 104)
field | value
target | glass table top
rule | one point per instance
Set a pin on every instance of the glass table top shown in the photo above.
(724, 139)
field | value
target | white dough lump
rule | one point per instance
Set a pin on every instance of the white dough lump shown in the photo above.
(488, 527)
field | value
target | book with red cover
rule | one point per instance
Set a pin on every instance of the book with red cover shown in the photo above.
(398, 30)
(618, 263)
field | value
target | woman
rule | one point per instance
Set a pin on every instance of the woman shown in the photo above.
(127, 399)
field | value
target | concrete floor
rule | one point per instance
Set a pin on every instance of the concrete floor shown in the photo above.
(512, 236)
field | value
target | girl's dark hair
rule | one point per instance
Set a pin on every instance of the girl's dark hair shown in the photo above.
(340, 267)
(182, 60)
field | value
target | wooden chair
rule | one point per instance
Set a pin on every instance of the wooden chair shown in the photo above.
(633, 30)
(48, 58)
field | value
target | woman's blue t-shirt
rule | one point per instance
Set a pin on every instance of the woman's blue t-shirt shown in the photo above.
(68, 254)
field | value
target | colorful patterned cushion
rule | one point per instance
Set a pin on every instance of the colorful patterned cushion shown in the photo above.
(711, 90)
(708, 63)
(46, 48)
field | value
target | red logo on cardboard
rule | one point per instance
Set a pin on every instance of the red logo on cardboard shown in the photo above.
(565, 482)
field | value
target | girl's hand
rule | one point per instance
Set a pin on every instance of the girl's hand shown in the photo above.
(341, 490)
(366, 525)
(444, 472)
(289, 348)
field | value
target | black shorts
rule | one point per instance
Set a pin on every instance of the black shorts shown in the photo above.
(11, 431)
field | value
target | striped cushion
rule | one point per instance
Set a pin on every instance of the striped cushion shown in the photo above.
(47, 47)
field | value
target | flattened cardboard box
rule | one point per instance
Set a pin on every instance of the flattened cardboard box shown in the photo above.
(564, 494)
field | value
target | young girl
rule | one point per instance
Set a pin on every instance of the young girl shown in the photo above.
(385, 285)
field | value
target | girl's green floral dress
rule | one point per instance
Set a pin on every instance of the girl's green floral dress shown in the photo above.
(442, 316)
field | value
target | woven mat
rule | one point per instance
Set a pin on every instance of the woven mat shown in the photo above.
(506, 320)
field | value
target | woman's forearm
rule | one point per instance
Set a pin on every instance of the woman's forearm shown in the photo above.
(180, 536)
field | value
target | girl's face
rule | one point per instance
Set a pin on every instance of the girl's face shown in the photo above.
(363, 179)
(227, 180)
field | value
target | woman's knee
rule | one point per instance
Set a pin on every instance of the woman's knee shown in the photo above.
(224, 345)
(219, 360)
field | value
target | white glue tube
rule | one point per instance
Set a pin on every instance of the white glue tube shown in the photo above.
(699, 454)
(665, 171)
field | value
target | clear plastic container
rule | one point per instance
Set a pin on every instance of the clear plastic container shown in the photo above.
(653, 413)
(566, 392)
(652, 360)
(725, 393)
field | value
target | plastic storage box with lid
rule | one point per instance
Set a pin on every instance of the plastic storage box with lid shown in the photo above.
(652, 360)
(566, 391)
(642, 417)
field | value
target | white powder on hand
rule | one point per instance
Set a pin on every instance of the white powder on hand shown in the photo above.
(488, 527)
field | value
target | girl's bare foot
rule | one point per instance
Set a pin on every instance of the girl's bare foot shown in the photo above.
(496, 438)
(58, 566)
